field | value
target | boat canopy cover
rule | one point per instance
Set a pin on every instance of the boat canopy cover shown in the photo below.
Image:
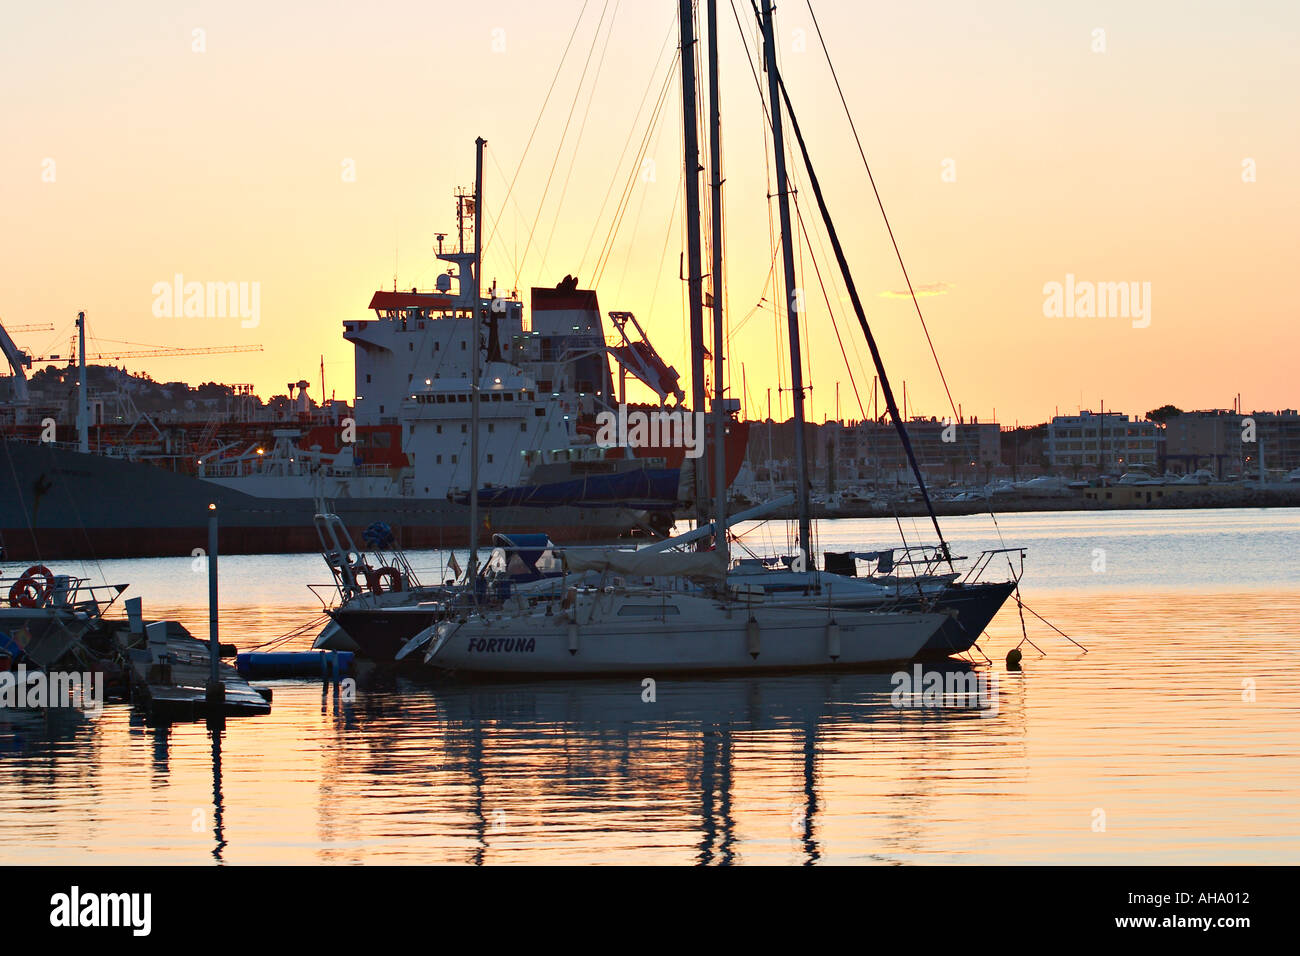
(688, 564)
(524, 551)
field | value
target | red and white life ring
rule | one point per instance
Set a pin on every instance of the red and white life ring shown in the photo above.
(30, 592)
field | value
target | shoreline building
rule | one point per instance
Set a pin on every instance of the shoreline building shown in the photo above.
(944, 449)
(1102, 440)
(1218, 439)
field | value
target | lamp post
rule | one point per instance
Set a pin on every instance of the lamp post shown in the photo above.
(216, 691)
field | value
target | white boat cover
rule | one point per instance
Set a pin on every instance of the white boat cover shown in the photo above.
(689, 564)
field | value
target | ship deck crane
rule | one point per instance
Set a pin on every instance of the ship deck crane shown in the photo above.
(19, 361)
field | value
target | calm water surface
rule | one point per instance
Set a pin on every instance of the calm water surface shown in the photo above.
(1187, 616)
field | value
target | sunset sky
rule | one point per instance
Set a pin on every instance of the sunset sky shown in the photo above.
(130, 155)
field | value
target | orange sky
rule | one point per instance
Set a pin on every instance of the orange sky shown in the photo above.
(1117, 166)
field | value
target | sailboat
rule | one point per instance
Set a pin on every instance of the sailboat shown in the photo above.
(662, 611)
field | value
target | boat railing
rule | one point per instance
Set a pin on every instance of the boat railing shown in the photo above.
(984, 561)
(354, 573)
(65, 592)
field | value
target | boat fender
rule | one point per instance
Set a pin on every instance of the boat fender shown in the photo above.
(1013, 659)
(573, 638)
(833, 641)
(752, 637)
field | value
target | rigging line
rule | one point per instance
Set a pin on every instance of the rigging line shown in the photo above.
(540, 113)
(577, 143)
(842, 261)
(626, 143)
(831, 312)
(881, 203)
(806, 350)
(773, 243)
(668, 235)
(514, 261)
(577, 94)
(636, 228)
(834, 283)
(625, 198)
(762, 298)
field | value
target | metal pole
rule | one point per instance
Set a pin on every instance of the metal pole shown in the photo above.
(691, 164)
(787, 259)
(216, 691)
(476, 372)
(719, 450)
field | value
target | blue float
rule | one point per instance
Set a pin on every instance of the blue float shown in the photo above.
(272, 664)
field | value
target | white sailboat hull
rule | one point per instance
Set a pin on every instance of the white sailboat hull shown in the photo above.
(719, 639)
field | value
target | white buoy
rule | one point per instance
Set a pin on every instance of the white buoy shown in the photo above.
(752, 637)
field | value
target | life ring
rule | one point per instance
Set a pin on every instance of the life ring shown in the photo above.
(28, 591)
(380, 580)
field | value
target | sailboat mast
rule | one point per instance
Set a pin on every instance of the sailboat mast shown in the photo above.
(719, 450)
(787, 261)
(691, 165)
(83, 397)
(475, 370)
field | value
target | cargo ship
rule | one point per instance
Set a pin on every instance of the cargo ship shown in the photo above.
(399, 455)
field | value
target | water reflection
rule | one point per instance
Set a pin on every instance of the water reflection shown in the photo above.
(572, 765)
(1154, 726)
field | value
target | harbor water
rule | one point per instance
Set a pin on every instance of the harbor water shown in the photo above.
(1172, 740)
